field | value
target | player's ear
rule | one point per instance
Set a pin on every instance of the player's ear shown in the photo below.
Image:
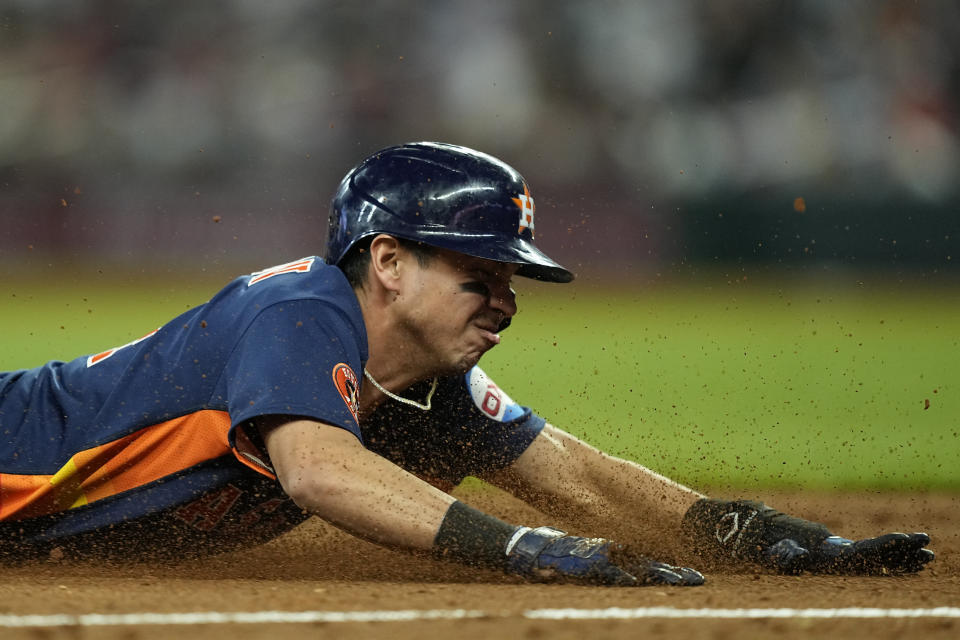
(385, 261)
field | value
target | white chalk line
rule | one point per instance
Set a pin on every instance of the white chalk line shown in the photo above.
(616, 613)
(300, 617)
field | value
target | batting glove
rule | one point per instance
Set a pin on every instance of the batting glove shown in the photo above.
(893, 553)
(751, 531)
(548, 554)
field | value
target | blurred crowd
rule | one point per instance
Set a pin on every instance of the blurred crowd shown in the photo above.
(139, 113)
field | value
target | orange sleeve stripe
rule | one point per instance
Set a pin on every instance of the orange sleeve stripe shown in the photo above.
(129, 462)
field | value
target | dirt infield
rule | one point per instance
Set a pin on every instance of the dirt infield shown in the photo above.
(316, 568)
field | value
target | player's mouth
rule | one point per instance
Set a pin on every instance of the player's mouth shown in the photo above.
(488, 332)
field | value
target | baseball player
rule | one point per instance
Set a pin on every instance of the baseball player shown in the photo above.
(348, 388)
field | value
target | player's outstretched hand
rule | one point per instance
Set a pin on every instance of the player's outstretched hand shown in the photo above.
(751, 531)
(547, 554)
(893, 553)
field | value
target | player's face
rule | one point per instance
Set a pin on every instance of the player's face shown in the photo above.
(457, 305)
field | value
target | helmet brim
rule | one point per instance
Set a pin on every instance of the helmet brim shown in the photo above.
(532, 262)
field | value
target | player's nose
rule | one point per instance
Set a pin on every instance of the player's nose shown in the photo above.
(504, 300)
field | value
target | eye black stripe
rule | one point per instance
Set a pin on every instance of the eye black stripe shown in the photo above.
(475, 287)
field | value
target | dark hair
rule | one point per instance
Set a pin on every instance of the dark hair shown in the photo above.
(357, 260)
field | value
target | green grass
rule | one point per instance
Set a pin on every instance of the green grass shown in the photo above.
(45, 320)
(713, 383)
(735, 385)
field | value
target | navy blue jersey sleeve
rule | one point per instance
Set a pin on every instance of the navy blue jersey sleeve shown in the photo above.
(474, 427)
(296, 358)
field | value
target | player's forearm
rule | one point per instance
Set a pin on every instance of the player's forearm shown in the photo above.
(648, 500)
(327, 472)
(638, 487)
(599, 494)
(380, 503)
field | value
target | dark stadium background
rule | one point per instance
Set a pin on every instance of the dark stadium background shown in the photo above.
(816, 137)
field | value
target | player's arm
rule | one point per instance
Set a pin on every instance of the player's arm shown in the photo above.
(582, 486)
(561, 474)
(327, 471)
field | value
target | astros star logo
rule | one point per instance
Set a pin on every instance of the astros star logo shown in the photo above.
(527, 208)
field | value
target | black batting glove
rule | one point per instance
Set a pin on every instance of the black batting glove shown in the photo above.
(893, 553)
(753, 532)
(550, 555)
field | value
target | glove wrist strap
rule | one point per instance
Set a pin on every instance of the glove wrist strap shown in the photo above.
(472, 537)
(515, 538)
(525, 545)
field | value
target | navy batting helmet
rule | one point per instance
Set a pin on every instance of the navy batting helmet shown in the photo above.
(444, 196)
